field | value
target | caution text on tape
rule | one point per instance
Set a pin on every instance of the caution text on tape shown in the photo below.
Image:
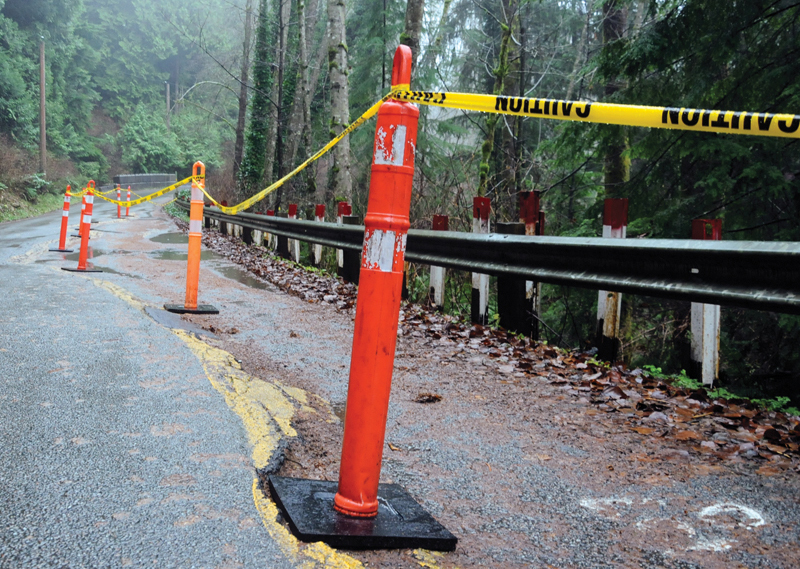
(729, 122)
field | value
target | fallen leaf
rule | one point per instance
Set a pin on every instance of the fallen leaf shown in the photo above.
(428, 398)
(395, 448)
(687, 435)
(643, 430)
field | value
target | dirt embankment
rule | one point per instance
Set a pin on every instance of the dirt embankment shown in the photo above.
(534, 456)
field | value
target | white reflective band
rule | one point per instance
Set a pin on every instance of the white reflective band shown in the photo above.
(195, 226)
(89, 199)
(64, 213)
(67, 199)
(395, 155)
(87, 217)
(197, 194)
(379, 252)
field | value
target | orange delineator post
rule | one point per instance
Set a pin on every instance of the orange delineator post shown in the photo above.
(119, 198)
(378, 306)
(86, 225)
(80, 218)
(128, 207)
(62, 240)
(190, 306)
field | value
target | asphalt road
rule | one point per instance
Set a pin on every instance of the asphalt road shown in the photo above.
(115, 448)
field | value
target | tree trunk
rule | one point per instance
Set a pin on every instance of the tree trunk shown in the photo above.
(340, 185)
(240, 123)
(579, 54)
(413, 29)
(500, 73)
(616, 166)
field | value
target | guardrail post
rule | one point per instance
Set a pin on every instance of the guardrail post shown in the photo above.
(705, 317)
(269, 237)
(86, 226)
(62, 238)
(319, 217)
(378, 305)
(206, 219)
(532, 216)
(609, 304)
(438, 274)
(190, 306)
(282, 243)
(294, 244)
(512, 303)
(351, 260)
(342, 209)
(481, 207)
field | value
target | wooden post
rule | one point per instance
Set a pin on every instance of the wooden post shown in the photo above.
(319, 217)
(481, 208)
(342, 209)
(42, 113)
(513, 305)
(438, 274)
(705, 317)
(351, 260)
(609, 304)
(294, 244)
(531, 215)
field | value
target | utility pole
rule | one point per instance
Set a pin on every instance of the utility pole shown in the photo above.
(42, 114)
(168, 104)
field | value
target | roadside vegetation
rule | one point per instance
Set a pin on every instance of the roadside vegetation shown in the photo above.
(252, 88)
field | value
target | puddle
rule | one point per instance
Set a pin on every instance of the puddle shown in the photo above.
(175, 256)
(242, 277)
(339, 409)
(92, 253)
(172, 320)
(113, 272)
(170, 238)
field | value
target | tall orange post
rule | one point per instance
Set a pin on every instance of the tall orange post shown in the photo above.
(128, 207)
(378, 307)
(352, 519)
(62, 240)
(86, 225)
(119, 199)
(190, 306)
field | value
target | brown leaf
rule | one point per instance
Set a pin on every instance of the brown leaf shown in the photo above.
(643, 430)
(428, 398)
(769, 470)
(394, 448)
(614, 392)
(687, 435)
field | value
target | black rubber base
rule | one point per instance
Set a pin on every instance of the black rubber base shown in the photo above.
(62, 250)
(77, 270)
(74, 235)
(181, 309)
(401, 522)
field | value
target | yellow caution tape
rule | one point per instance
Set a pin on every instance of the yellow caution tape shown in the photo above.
(147, 198)
(232, 210)
(726, 122)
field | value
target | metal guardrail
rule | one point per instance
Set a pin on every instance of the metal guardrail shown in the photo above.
(748, 274)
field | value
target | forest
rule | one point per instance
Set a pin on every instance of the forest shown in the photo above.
(254, 87)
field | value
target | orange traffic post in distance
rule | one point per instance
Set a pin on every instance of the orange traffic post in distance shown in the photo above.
(352, 519)
(119, 198)
(80, 218)
(128, 207)
(190, 306)
(85, 228)
(62, 239)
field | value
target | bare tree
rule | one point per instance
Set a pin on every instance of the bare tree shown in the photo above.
(340, 184)
(243, 78)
